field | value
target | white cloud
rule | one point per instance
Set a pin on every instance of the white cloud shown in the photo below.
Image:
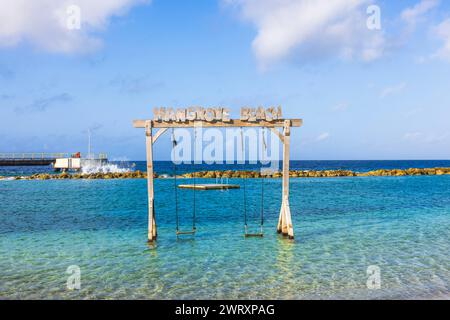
(442, 31)
(323, 136)
(414, 14)
(392, 90)
(341, 106)
(43, 23)
(311, 28)
(413, 112)
(412, 136)
(428, 138)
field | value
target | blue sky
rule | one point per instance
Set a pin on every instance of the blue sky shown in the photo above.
(363, 94)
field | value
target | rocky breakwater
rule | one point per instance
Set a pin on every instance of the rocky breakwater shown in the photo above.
(247, 174)
(276, 174)
(92, 176)
(406, 172)
(320, 173)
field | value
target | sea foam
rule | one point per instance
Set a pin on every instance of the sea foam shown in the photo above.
(105, 168)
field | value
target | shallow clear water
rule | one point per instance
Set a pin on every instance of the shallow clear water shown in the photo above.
(342, 226)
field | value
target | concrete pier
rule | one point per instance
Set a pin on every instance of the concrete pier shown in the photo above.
(26, 162)
(46, 159)
(29, 159)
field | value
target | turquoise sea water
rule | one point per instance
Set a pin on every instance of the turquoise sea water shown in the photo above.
(342, 226)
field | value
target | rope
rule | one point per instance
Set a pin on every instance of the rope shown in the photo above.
(174, 144)
(263, 177)
(195, 180)
(245, 183)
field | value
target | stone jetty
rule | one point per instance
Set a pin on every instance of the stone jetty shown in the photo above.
(245, 174)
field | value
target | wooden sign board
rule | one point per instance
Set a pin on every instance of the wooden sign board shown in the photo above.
(216, 114)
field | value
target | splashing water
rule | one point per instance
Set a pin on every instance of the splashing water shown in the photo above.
(7, 178)
(105, 168)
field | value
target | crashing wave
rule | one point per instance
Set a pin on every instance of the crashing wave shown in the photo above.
(105, 168)
(7, 178)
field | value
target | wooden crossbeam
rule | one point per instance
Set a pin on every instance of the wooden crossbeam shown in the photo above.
(231, 123)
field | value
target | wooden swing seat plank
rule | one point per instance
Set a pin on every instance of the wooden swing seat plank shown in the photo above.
(209, 186)
(254, 235)
(185, 232)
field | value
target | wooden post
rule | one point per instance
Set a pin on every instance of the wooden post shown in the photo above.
(151, 195)
(285, 221)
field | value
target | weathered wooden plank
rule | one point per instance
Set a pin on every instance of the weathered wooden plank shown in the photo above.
(158, 134)
(281, 219)
(278, 133)
(285, 221)
(206, 124)
(150, 188)
(286, 157)
(290, 229)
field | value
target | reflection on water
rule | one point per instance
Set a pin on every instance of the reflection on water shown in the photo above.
(342, 226)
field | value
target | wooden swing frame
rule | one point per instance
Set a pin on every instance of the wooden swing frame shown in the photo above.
(284, 225)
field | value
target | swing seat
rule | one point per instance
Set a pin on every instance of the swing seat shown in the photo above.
(180, 233)
(254, 235)
(209, 186)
